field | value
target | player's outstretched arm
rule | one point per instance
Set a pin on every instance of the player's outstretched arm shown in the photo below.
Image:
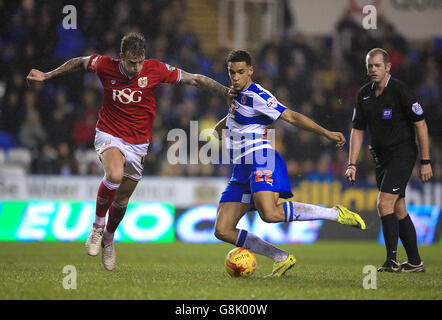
(205, 83)
(303, 122)
(72, 65)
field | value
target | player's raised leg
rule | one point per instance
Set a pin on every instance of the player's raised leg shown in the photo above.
(113, 163)
(116, 214)
(270, 211)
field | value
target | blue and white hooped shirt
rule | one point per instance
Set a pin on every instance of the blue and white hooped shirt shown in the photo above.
(250, 114)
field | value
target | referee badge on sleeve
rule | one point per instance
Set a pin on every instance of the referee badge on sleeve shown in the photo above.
(417, 108)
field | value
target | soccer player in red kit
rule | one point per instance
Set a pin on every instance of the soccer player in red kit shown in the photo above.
(124, 126)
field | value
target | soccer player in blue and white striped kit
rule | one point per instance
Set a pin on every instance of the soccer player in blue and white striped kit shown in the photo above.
(260, 175)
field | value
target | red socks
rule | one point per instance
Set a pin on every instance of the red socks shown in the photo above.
(105, 197)
(105, 202)
(116, 214)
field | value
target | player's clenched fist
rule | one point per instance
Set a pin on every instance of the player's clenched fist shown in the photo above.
(35, 75)
(350, 173)
(338, 137)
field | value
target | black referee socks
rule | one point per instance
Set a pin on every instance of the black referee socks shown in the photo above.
(407, 233)
(390, 229)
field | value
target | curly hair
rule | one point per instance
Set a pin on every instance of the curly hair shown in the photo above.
(239, 56)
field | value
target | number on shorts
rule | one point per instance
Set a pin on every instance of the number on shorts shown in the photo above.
(267, 176)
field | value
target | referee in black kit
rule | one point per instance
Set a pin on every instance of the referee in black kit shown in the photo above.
(393, 117)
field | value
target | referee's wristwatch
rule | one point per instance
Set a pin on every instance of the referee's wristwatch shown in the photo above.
(425, 161)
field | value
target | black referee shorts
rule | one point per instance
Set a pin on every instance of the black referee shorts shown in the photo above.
(392, 175)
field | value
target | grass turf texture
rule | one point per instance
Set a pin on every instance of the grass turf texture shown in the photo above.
(176, 271)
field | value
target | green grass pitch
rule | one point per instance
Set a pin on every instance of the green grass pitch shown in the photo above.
(181, 271)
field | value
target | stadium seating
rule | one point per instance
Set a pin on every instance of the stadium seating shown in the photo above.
(20, 157)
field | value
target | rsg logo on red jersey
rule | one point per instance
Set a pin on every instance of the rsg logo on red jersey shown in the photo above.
(126, 95)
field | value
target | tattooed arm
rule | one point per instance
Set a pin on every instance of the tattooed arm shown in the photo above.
(204, 83)
(72, 65)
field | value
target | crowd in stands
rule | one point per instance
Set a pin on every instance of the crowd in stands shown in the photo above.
(55, 121)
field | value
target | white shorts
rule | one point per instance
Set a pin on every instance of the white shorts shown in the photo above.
(134, 153)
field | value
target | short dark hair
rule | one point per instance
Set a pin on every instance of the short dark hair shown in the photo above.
(133, 43)
(376, 51)
(239, 56)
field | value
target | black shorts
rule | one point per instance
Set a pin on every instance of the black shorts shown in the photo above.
(393, 174)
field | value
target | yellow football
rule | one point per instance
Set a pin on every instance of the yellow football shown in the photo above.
(240, 262)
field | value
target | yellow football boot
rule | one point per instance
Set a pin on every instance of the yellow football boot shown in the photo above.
(279, 268)
(349, 218)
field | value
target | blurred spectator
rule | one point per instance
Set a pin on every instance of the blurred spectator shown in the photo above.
(59, 128)
(45, 163)
(91, 19)
(299, 88)
(219, 71)
(71, 43)
(270, 64)
(17, 31)
(94, 169)
(65, 162)
(32, 134)
(322, 172)
(84, 129)
(13, 113)
(345, 88)
(428, 91)
(300, 54)
(348, 30)
(337, 115)
(184, 38)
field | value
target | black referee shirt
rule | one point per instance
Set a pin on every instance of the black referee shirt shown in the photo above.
(389, 117)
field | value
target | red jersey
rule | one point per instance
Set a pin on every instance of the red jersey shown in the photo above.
(128, 108)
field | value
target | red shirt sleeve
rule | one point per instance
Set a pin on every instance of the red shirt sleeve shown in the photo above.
(169, 74)
(94, 62)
